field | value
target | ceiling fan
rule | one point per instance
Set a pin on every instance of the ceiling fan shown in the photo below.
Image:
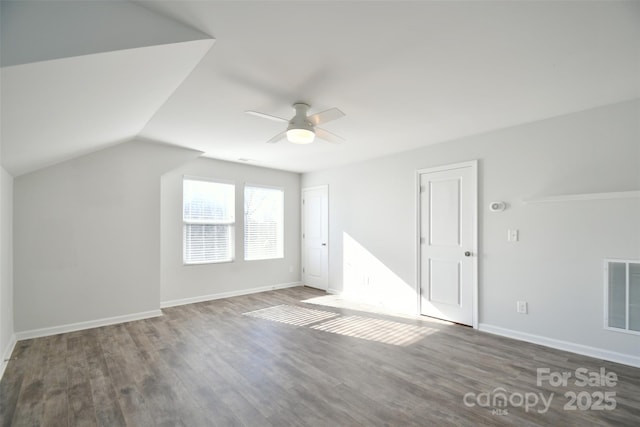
(302, 128)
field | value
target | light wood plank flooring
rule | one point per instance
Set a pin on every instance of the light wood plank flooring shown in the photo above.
(291, 363)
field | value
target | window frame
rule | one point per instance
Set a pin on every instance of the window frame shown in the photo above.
(230, 223)
(626, 262)
(280, 255)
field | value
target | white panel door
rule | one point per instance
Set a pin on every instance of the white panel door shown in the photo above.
(447, 224)
(315, 237)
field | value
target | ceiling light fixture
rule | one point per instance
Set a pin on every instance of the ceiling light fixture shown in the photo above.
(300, 129)
(300, 135)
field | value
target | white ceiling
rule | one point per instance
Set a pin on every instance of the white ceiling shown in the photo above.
(406, 74)
(73, 82)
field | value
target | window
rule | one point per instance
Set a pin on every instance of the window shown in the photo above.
(263, 223)
(208, 221)
(622, 286)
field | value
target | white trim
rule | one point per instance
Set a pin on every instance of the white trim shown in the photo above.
(316, 187)
(473, 164)
(585, 196)
(7, 354)
(208, 179)
(90, 324)
(476, 297)
(228, 294)
(623, 331)
(441, 168)
(267, 186)
(605, 298)
(598, 353)
(418, 243)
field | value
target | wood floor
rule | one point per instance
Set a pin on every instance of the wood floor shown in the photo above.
(291, 363)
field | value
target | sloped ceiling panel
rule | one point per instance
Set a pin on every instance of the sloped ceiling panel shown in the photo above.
(55, 110)
(96, 88)
(35, 31)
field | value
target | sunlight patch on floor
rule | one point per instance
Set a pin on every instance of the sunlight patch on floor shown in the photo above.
(292, 315)
(384, 331)
(340, 301)
(371, 329)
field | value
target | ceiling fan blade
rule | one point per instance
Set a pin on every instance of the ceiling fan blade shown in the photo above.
(325, 116)
(266, 116)
(277, 138)
(328, 136)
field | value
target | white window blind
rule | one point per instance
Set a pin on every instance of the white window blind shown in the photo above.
(622, 303)
(263, 223)
(208, 221)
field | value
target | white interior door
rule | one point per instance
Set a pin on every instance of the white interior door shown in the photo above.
(315, 237)
(448, 243)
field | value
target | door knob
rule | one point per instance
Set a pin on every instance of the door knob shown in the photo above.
(467, 253)
(324, 244)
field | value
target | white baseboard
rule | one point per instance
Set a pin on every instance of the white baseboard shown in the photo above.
(612, 356)
(228, 294)
(7, 354)
(71, 327)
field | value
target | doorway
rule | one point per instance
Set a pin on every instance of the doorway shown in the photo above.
(448, 242)
(315, 237)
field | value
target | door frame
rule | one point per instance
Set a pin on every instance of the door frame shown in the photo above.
(474, 250)
(302, 224)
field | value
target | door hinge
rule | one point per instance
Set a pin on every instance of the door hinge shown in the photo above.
(423, 189)
(303, 269)
(303, 235)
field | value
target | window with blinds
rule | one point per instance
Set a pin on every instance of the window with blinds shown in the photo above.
(622, 295)
(263, 223)
(208, 221)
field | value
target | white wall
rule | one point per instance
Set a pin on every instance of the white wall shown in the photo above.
(6, 266)
(182, 283)
(556, 266)
(87, 236)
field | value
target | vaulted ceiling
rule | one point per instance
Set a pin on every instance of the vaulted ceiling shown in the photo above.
(79, 76)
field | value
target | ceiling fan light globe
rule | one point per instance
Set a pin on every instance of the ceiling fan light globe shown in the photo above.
(300, 136)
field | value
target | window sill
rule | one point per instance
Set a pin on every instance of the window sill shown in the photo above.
(194, 264)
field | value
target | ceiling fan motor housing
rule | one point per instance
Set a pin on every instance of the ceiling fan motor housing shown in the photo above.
(300, 129)
(300, 121)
